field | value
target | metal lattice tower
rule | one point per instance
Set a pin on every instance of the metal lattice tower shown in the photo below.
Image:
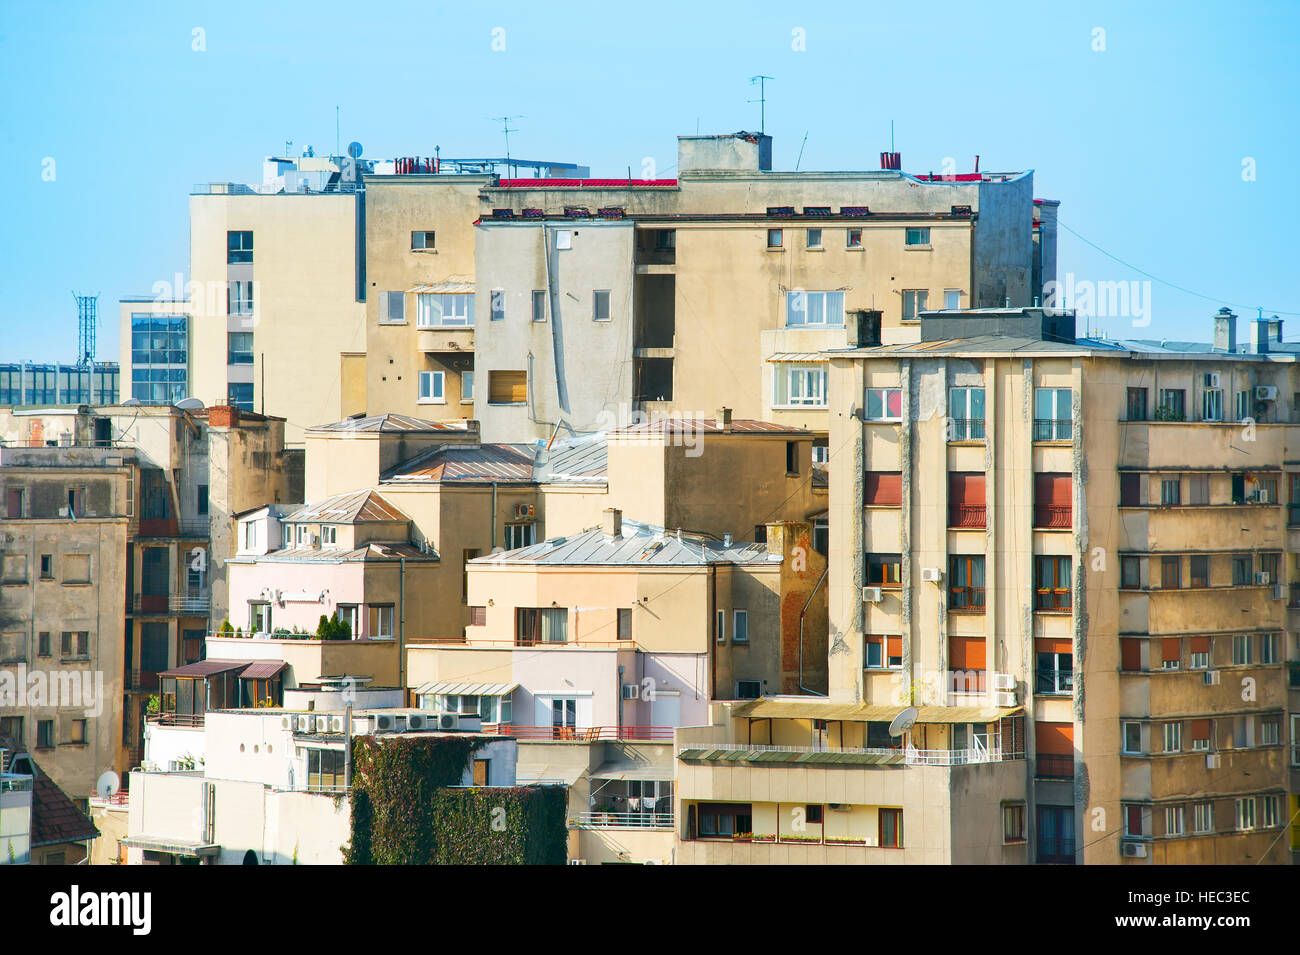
(87, 322)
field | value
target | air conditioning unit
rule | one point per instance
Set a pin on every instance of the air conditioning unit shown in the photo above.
(385, 723)
(1262, 496)
(631, 691)
(448, 721)
(1278, 591)
(1006, 698)
(313, 540)
(1212, 380)
(931, 575)
(1210, 677)
(1261, 578)
(322, 724)
(460, 722)
(871, 595)
(337, 724)
(838, 807)
(417, 721)
(1266, 392)
(1213, 761)
(399, 724)
(286, 723)
(524, 511)
(1004, 681)
(306, 724)
(1135, 850)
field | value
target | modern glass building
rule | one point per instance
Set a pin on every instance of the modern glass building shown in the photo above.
(159, 358)
(53, 383)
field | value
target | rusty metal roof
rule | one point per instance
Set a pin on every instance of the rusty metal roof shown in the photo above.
(353, 507)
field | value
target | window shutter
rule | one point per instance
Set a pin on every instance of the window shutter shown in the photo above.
(1200, 729)
(883, 488)
(1130, 654)
(893, 647)
(1171, 648)
(966, 653)
(1054, 739)
(1054, 645)
(507, 387)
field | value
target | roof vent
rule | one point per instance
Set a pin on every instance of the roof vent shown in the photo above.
(726, 539)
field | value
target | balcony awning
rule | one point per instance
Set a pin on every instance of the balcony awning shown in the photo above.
(763, 709)
(466, 689)
(263, 670)
(444, 288)
(550, 773)
(176, 847)
(805, 356)
(633, 771)
(204, 669)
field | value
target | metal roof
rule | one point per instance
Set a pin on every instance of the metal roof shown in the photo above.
(375, 550)
(452, 688)
(630, 770)
(204, 668)
(392, 424)
(640, 545)
(353, 507)
(575, 460)
(710, 426)
(263, 670)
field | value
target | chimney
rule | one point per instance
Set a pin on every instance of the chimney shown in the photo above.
(223, 416)
(1260, 342)
(891, 161)
(1225, 331)
(724, 419)
(727, 539)
(1275, 329)
(612, 522)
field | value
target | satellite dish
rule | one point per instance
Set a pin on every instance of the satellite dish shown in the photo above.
(131, 402)
(190, 404)
(108, 785)
(903, 722)
(354, 149)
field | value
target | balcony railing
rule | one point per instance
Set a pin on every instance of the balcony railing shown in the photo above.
(185, 720)
(581, 734)
(195, 527)
(1054, 681)
(1053, 429)
(1051, 766)
(1053, 516)
(966, 515)
(967, 429)
(911, 756)
(966, 598)
(188, 604)
(623, 820)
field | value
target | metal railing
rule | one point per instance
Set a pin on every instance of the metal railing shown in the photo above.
(15, 783)
(966, 598)
(190, 603)
(623, 820)
(1053, 681)
(183, 720)
(195, 527)
(966, 515)
(1053, 429)
(1053, 516)
(1052, 766)
(579, 734)
(911, 756)
(967, 429)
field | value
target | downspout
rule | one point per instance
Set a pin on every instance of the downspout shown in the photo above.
(401, 630)
(620, 701)
(802, 612)
(494, 516)
(713, 637)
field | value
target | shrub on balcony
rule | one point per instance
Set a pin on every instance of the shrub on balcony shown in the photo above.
(226, 629)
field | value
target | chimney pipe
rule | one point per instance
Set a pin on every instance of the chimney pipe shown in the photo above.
(612, 522)
(724, 419)
(1275, 329)
(1261, 336)
(1225, 331)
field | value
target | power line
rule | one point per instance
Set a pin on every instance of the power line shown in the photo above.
(1172, 285)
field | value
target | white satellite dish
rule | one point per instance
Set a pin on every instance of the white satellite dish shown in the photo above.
(903, 722)
(190, 404)
(108, 785)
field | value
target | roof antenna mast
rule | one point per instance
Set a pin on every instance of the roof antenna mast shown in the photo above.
(761, 80)
(507, 129)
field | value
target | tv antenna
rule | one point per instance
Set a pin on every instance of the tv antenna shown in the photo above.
(507, 129)
(801, 146)
(761, 80)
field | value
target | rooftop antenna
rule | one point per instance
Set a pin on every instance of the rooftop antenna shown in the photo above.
(87, 322)
(336, 131)
(288, 148)
(761, 80)
(891, 135)
(507, 129)
(801, 146)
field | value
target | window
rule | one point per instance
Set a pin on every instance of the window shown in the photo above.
(45, 734)
(1052, 583)
(774, 238)
(798, 385)
(719, 820)
(12, 727)
(966, 499)
(520, 535)
(966, 578)
(1052, 414)
(239, 247)
(240, 395)
(445, 310)
(1130, 573)
(1170, 572)
(1055, 669)
(665, 239)
(1135, 820)
(259, 617)
(1241, 649)
(478, 616)
(792, 457)
(915, 237)
(883, 653)
(1270, 731)
(480, 772)
(814, 237)
(891, 829)
(1245, 813)
(1173, 737)
(325, 769)
(201, 500)
(952, 299)
(1200, 653)
(431, 387)
(1198, 489)
(1203, 817)
(1137, 405)
(1212, 405)
(1173, 820)
(507, 387)
(534, 625)
(1270, 805)
(1200, 735)
(77, 501)
(884, 404)
(884, 570)
(1200, 567)
(1053, 505)
(1013, 822)
(1056, 834)
(883, 488)
(814, 309)
(350, 615)
(625, 623)
(239, 298)
(1173, 405)
(1171, 492)
(76, 569)
(539, 305)
(720, 627)
(915, 301)
(600, 305)
(966, 408)
(381, 621)
(1130, 490)
(422, 241)
(1132, 738)
(1268, 648)
(13, 503)
(239, 348)
(497, 305)
(740, 626)
(392, 307)
(47, 566)
(1242, 570)
(853, 238)
(42, 644)
(1243, 405)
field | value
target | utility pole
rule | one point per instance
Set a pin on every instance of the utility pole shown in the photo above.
(761, 80)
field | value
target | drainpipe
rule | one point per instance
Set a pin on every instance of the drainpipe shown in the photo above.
(713, 637)
(802, 612)
(347, 748)
(494, 516)
(620, 701)
(401, 630)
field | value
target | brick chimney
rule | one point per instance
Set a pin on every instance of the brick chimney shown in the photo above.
(612, 522)
(223, 416)
(724, 419)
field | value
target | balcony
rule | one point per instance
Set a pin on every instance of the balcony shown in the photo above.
(622, 820)
(172, 605)
(582, 734)
(196, 528)
(966, 515)
(181, 720)
(1293, 598)
(840, 755)
(1053, 429)
(966, 429)
(446, 338)
(1055, 517)
(1052, 766)
(141, 681)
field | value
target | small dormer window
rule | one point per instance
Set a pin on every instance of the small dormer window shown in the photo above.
(328, 534)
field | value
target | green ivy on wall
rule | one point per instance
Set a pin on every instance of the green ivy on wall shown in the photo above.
(519, 826)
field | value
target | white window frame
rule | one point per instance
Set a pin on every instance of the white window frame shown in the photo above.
(1212, 404)
(1241, 650)
(952, 298)
(432, 388)
(922, 236)
(883, 395)
(800, 304)
(525, 535)
(595, 305)
(799, 384)
(920, 302)
(329, 534)
(1202, 817)
(1267, 724)
(1269, 811)
(1246, 818)
(1173, 733)
(1175, 821)
(351, 614)
(467, 387)
(740, 626)
(1268, 648)
(387, 316)
(1244, 407)
(539, 295)
(454, 310)
(422, 244)
(381, 615)
(1123, 738)
(809, 237)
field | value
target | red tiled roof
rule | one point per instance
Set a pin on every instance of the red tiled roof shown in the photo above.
(55, 818)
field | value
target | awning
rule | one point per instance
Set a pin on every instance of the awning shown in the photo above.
(860, 713)
(204, 669)
(814, 356)
(633, 771)
(444, 288)
(466, 689)
(176, 847)
(536, 775)
(263, 670)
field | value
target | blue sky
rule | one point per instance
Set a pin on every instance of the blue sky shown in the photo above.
(1143, 142)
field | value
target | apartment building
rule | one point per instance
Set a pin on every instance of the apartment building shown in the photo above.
(54, 383)
(1092, 531)
(41, 824)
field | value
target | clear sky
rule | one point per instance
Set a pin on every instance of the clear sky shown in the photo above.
(1171, 138)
